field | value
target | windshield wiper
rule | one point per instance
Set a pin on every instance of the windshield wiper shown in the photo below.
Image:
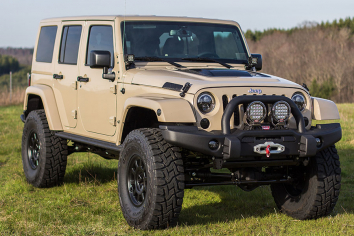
(158, 59)
(204, 59)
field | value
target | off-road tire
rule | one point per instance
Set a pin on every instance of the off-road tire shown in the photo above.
(51, 165)
(320, 192)
(163, 163)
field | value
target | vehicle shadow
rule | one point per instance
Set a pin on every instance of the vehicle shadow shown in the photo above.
(91, 174)
(225, 203)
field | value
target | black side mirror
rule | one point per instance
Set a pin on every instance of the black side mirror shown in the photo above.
(102, 59)
(258, 66)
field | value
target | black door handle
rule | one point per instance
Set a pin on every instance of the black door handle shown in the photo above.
(82, 79)
(56, 76)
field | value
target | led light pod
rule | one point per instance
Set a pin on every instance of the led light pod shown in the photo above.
(281, 111)
(256, 112)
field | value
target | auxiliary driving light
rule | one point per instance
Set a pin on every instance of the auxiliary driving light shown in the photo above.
(256, 112)
(281, 111)
(213, 144)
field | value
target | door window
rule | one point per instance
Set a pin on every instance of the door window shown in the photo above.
(70, 42)
(45, 45)
(100, 38)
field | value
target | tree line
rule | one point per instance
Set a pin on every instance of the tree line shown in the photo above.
(320, 55)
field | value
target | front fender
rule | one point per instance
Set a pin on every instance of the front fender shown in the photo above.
(172, 109)
(324, 109)
(49, 104)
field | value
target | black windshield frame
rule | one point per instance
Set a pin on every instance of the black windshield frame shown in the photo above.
(127, 26)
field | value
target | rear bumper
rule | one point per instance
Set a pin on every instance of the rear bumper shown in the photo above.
(240, 144)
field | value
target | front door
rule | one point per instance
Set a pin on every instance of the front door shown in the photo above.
(97, 99)
(66, 72)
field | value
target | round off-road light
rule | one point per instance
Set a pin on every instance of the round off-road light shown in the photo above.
(281, 111)
(256, 112)
(299, 100)
(206, 102)
(213, 144)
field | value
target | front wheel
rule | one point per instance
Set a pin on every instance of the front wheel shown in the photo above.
(316, 192)
(150, 180)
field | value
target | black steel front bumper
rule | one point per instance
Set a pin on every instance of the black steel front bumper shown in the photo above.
(240, 144)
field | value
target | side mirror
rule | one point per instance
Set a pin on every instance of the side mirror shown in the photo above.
(258, 66)
(102, 59)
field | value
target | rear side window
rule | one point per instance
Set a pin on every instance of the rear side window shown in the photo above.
(100, 38)
(45, 45)
(70, 42)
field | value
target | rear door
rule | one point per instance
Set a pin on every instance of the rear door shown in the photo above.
(67, 70)
(96, 98)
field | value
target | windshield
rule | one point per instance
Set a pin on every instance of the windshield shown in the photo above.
(178, 40)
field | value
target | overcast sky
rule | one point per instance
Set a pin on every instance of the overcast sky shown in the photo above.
(19, 19)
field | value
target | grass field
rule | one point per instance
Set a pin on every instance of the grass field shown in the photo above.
(87, 203)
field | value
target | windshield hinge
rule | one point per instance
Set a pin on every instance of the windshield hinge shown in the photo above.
(185, 89)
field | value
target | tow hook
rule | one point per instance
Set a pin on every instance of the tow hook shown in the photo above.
(268, 151)
(269, 148)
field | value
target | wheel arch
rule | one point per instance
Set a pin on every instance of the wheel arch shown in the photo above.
(42, 97)
(142, 112)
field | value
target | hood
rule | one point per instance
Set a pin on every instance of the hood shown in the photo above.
(204, 78)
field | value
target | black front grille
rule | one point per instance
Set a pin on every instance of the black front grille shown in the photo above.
(225, 101)
(236, 114)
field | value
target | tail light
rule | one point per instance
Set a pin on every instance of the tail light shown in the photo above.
(29, 79)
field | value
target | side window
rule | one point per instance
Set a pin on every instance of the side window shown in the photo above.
(100, 38)
(70, 42)
(45, 45)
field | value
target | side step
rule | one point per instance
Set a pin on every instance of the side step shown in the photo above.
(90, 141)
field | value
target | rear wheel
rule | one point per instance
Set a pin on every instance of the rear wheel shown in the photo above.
(316, 192)
(44, 155)
(150, 180)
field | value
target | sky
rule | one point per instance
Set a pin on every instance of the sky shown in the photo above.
(19, 19)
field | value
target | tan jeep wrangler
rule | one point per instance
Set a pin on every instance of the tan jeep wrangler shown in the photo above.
(175, 100)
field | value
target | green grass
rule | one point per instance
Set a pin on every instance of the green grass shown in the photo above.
(87, 203)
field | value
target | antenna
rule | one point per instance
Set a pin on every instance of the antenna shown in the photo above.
(125, 13)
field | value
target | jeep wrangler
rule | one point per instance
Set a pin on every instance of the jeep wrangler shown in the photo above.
(175, 99)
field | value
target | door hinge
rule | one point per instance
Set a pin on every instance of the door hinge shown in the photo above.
(113, 120)
(113, 89)
(74, 85)
(74, 113)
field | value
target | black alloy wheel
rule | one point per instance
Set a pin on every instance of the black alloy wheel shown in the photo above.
(137, 180)
(33, 150)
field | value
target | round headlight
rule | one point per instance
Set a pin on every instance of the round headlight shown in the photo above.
(281, 111)
(256, 111)
(299, 100)
(206, 102)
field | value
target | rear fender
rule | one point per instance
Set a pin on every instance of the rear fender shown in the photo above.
(49, 104)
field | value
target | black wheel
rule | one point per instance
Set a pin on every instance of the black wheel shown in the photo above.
(316, 192)
(150, 180)
(44, 155)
